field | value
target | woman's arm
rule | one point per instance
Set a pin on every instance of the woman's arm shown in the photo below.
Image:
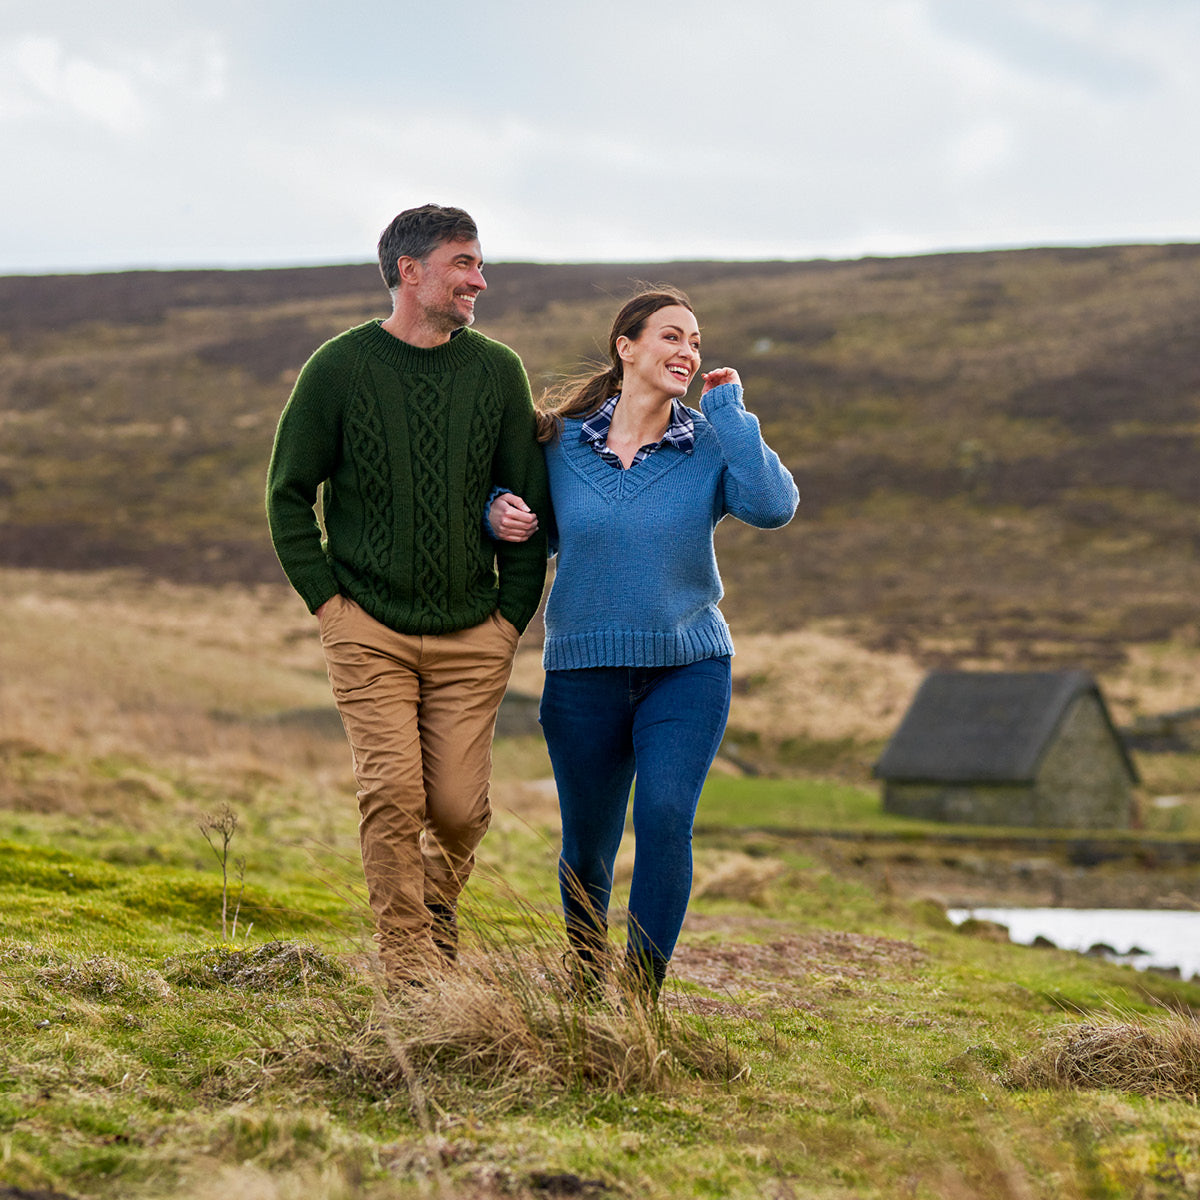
(757, 488)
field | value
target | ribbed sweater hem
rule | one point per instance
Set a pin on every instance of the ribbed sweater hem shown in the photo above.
(415, 616)
(636, 648)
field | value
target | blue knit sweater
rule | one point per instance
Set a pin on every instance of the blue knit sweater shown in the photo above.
(636, 582)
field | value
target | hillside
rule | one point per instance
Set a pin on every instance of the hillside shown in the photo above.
(995, 451)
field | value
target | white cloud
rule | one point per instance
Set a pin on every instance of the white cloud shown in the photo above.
(42, 79)
(982, 149)
(276, 132)
(123, 91)
(194, 67)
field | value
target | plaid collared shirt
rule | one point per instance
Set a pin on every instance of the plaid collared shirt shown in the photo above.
(680, 433)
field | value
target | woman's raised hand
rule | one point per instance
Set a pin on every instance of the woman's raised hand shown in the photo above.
(717, 377)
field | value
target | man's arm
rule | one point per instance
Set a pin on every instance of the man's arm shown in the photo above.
(519, 465)
(304, 455)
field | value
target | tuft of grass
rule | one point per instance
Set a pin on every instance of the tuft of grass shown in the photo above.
(506, 1024)
(511, 1024)
(737, 876)
(268, 968)
(102, 977)
(1147, 1056)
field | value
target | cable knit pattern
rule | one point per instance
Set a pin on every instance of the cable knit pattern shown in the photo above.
(368, 442)
(637, 582)
(484, 431)
(425, 409)
(405, 445)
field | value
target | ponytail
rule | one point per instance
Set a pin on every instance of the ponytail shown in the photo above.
(578, 397)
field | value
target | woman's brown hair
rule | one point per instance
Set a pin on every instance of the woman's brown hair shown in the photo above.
(582, 396)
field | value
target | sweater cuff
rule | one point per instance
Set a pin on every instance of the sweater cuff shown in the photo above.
(518, 620)
(315, 591)
(487, 509)
(722, 397)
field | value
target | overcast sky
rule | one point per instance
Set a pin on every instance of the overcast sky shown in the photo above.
(150, 133)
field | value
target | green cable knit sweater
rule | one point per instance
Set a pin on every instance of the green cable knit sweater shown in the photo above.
(405, 445)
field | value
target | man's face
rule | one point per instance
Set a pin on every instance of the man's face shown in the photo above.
(450, 279)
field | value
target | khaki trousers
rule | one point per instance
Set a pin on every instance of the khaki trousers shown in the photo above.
(419, 712)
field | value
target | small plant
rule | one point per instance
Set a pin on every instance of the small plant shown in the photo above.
(222, 826)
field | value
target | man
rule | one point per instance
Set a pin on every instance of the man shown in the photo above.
(405, 426)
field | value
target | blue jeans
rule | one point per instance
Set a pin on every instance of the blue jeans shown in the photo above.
(603, 727)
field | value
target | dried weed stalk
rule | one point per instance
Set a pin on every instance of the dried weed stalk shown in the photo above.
(223, 825)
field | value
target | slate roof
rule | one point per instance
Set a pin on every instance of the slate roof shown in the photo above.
(985, 726)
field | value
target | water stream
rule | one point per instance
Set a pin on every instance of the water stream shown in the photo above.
(1158, 938)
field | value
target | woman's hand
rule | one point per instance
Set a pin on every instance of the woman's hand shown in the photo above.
(511, 518)
(717, 377)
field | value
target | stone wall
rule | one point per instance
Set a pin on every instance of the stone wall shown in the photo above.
(966, 804)
(1083, 782)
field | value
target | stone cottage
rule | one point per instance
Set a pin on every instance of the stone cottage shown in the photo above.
(1035, 749)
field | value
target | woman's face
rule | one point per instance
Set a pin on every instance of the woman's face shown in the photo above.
(665, 356)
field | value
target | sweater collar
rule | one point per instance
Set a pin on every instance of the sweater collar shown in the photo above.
(680, 431)
(459, 350)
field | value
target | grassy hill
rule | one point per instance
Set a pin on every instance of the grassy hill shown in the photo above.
(825, 1033)
(995, 451)
(995, 456)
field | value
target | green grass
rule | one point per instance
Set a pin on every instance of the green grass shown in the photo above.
(809, 804)
(824, 805)
(67, 900)
(856, 1045)
(821, 1035)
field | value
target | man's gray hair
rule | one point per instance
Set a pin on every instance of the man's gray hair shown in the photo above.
(417, 232)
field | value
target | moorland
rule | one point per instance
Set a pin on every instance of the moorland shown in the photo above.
(994, 453)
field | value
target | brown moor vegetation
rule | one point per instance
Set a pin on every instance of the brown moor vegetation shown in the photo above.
(995, 451)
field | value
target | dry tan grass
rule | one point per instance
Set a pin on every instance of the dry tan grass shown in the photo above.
(220, 1181)
(504, 1024)
(729, 875)
(103, 664)
(205, 682)
(1154, 679)
(98, 653)
(814, 682)
(822, 684)
(507, 1021)
(819, 684)
(1150, 1058)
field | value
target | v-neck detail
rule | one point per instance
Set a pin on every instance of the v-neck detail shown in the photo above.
(626, 482)
(680, 433)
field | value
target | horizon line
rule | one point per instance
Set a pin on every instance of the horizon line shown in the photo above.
(523, 260)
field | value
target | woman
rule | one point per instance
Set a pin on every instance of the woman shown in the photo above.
(637, 654)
